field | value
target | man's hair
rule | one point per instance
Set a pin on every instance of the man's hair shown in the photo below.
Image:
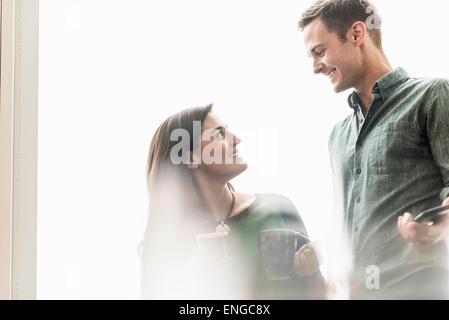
(340, 15)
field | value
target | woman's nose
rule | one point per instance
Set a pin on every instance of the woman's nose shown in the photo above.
(233, 138)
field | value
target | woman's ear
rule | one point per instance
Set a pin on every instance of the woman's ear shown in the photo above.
(194, 160)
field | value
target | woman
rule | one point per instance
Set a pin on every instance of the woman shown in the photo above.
(201, 235)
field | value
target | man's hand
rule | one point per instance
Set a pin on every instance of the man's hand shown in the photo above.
(422, 234)
(308, 259)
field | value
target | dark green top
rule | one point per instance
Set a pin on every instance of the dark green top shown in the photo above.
(395, 160)
(269, 211)
(225, 269)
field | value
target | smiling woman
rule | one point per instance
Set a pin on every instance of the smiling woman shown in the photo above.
(181, 256)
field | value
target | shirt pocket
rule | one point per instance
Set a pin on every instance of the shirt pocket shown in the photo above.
(394, 148)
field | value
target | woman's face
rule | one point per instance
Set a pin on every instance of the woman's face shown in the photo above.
(219, 149)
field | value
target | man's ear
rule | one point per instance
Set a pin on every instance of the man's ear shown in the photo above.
(194, 160)
(358, 33)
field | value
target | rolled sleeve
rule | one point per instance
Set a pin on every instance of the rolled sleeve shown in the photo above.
(444, 194)
(438, 130)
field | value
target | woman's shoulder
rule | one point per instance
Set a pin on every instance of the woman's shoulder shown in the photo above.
(269, 205)
(263, 204)
(272, 211)
(282, 206)
(277, 201)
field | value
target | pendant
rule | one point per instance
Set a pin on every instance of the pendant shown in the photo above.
(223, 229)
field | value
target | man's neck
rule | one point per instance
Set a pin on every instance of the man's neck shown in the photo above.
(375, 68)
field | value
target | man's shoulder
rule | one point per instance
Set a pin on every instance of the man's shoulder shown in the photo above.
(343, 123)
(427, 84)
(418, 94)
(341, 127)
(438, 84)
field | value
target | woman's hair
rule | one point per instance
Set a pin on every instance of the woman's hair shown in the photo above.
(161, 144)
(167, 181)
(177, 210)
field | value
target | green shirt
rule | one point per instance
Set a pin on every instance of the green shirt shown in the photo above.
(225, 269)
(395, 160)
(269, 211)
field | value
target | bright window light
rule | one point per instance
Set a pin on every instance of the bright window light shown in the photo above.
(111, 71)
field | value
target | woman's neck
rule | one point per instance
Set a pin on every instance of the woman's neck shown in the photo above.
(218, 196)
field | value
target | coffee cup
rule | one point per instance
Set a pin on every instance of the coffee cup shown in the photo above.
(277, 250)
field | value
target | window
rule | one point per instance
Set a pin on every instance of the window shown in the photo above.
(110, 72)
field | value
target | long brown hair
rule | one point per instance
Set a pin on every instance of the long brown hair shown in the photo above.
(177, 209)
(160, 168)
(161, 146)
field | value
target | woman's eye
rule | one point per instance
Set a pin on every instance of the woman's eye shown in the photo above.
(219, 134)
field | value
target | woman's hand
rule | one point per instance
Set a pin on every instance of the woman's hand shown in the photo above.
(308, 259)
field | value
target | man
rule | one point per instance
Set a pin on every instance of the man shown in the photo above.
(390, 156)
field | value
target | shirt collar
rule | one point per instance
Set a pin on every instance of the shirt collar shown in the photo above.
(385, 86)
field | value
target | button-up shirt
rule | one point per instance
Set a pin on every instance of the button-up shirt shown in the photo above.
(394, 160)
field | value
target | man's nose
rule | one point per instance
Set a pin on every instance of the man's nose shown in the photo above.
(317, 66)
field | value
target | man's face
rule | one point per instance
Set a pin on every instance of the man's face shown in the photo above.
(339, 61)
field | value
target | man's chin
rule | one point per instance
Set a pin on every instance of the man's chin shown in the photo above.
(339, 88)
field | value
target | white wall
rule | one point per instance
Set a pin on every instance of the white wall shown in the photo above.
(112, 71)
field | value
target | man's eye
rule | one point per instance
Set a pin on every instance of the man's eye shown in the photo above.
(219, 134)
(321, 53)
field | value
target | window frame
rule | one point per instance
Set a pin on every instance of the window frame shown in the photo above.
(18, 148)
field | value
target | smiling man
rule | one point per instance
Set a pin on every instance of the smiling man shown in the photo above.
(389, 157)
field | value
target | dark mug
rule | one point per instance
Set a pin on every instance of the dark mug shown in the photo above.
(277, 250)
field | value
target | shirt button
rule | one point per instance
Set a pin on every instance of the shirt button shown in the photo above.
(356, 229)
(359, 171)
(358, 200)
(361, 121)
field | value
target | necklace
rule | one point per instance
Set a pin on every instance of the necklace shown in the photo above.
(223, 228)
